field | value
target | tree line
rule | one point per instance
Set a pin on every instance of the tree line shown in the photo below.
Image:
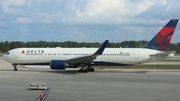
(5, 46)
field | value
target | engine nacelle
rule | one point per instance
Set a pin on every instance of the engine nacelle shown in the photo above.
(60, 64)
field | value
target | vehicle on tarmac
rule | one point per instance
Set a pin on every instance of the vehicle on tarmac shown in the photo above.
(38, 86)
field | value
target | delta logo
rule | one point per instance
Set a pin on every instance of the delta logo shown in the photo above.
(22, 52)
(32, 52)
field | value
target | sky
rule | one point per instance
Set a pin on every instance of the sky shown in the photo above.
(86, 20)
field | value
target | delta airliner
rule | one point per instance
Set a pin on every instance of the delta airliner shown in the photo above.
(61, 58)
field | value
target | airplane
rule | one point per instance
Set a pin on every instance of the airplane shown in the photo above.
(57, 58)
(62, 58)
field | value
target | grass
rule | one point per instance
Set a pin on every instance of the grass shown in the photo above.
(2, 52)
(177, 54)
(168, 60)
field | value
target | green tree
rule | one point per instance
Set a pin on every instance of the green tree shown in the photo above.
(6, 46)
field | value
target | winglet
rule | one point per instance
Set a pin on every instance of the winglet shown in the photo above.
(101, 49)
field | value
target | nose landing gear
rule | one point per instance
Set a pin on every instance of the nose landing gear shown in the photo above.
(14, 65)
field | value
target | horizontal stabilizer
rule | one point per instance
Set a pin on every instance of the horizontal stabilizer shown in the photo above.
(163, 55)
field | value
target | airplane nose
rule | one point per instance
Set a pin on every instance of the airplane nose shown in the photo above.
(4, 57)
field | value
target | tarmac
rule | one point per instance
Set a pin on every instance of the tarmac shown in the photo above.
(101, 85)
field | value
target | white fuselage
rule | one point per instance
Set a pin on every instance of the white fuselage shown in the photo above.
(119, 56)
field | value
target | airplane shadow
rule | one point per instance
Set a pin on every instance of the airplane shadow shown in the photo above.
(103, 70)
(141, 72)
(73, 72)
(69, 72)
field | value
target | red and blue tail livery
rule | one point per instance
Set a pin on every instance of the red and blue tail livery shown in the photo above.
(162, 39)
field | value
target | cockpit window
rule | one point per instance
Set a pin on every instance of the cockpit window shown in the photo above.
(7, 53)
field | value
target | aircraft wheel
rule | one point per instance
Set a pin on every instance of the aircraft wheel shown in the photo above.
(91, 69)
(15, 69)
(14, 65)
(80, 70)
(86, 70)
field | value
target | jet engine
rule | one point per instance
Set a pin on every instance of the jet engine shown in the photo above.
(60, 64)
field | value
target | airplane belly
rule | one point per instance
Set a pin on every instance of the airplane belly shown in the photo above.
(117, 59)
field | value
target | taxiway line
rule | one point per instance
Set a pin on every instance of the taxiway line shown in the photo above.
(44, 95)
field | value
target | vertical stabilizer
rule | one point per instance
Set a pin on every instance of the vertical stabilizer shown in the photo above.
(162, 39)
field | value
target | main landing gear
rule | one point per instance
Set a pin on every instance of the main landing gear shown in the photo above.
(85, 70)
(14, 65)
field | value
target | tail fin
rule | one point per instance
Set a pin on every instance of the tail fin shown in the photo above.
(162, 39)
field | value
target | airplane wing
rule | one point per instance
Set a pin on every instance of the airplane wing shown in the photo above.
(89, 58)
(162, 55)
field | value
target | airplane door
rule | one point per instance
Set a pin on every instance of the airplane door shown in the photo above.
(15, 55)
(135, 55)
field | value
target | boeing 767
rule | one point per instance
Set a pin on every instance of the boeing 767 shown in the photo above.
(61, 58)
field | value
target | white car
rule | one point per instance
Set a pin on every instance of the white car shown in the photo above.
(38, 85)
